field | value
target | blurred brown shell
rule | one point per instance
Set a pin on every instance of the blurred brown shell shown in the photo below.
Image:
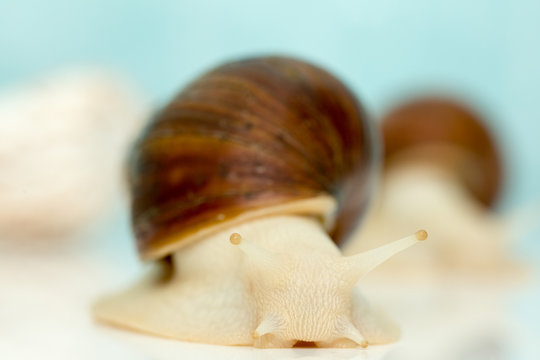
(442, 121)
(248, 135)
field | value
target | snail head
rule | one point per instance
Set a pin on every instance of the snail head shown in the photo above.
(308, 297)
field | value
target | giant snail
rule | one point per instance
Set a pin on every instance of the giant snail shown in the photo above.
(244, 183)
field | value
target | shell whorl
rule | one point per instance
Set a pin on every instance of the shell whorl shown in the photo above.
(442, 121)
(249, 134)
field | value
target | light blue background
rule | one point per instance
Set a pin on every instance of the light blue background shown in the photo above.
(487, 52)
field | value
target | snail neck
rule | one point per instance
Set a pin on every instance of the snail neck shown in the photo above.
(214, 258)
(288, 234)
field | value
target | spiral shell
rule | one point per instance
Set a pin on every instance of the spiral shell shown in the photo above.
(441, 121)
(262, 133)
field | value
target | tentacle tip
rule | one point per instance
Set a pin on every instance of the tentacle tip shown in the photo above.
(364, 344)
(421, 235)
(235, 239)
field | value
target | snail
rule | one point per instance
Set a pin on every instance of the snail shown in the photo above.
(240, 186)
(440, 152)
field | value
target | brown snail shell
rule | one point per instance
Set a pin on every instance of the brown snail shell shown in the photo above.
(247, 135)
(425, 123)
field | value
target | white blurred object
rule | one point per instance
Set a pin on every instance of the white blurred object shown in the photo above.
(63, 140)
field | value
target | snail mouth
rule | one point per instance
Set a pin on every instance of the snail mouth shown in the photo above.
(304, 344)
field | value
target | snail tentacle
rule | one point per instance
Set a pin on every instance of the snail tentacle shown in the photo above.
(362, 263)
(255, 253)
(270, 324)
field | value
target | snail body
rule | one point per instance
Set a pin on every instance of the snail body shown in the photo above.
(245, 181)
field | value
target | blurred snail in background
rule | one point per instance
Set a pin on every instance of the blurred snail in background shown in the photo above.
(62, 140)
(443, 169)
(240, 186)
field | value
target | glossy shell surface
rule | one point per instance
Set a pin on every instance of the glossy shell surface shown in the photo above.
(248, 135)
